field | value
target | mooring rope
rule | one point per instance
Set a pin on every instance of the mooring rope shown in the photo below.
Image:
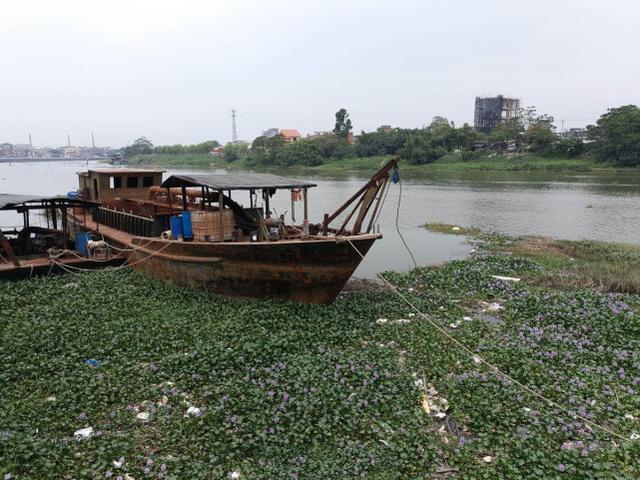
(477, 358)
(413, 259)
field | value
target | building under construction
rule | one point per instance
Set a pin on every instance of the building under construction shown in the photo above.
(490, 111)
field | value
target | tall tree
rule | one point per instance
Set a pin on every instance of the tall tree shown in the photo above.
(616, 136)
(343, 123)
(140, 146)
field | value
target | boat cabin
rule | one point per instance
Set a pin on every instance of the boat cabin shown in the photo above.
(104, 184)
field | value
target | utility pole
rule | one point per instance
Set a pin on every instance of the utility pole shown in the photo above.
(234, 130)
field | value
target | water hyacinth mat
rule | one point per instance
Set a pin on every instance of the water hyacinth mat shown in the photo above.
(110, 375)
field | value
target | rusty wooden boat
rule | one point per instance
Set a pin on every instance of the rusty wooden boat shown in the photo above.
(189, 231)
(43, 243)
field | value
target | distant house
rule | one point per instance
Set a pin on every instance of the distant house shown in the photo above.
(217, 151)
(489, 112)
(6, 150)
(575, 133)
(289, 135)
(384, 129)
(72, 152)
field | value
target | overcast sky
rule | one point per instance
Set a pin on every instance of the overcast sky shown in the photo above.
(172, 71)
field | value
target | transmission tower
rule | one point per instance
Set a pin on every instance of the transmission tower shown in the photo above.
(234, 134)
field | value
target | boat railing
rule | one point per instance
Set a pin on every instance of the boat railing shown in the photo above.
(126, 222)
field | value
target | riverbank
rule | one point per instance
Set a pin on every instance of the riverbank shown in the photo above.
(174, 383)
(604, 266)
(450, 163)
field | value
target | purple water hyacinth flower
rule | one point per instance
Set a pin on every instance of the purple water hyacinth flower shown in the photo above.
(82, 416)
(149, 462)
(276, 419)
(147, 471)
(561, 468)
(108, 474)
(163, 467)
(272, 430)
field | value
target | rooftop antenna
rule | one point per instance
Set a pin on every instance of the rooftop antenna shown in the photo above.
(234, 130)
(68, 140)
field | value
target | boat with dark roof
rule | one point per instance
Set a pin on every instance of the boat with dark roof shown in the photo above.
(42, 242)
(188, 230)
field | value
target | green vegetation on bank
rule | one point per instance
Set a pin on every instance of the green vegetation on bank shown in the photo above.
(176, 384)
(450, 163)
(525, 142)
(612, 267)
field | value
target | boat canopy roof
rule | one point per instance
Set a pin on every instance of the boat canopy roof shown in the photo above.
(11, 201)
(244, 181)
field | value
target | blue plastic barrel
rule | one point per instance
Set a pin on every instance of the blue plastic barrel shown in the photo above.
(187, 228)
(176, 226)
(74, 195)
(82, 239)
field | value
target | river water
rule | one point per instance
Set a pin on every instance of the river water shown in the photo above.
(599, 206)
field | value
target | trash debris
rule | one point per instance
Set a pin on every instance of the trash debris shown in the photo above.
(118, 463)
(402, 321)
(628, 416)
(455, 229)
(70, 285)
(411, 315)
(506, 279)
(634, 436)
(440, 415)
(92, 362)
(143, 416)
(453, 325)
(51, 399)
(193, 412)
(234, 474)
(477, 359)
(128, 477)
(425, 404)
(487, 459)
(83, 433)
(382, 321)
(467, 319)
(491, 307)
(526, 409)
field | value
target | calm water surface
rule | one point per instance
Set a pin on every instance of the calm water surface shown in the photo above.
(603, 206)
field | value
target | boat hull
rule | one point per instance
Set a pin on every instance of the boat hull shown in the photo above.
(312, 271)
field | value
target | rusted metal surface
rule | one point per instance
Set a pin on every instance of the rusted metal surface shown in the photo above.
(313, 271)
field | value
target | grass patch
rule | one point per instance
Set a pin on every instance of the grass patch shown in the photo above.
(611, 267)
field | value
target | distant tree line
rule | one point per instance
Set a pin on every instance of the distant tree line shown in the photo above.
(144, 146)
(615, 138)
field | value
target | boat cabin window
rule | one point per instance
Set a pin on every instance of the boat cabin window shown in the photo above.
(115, 182)
(132, 182)
(147, 181)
